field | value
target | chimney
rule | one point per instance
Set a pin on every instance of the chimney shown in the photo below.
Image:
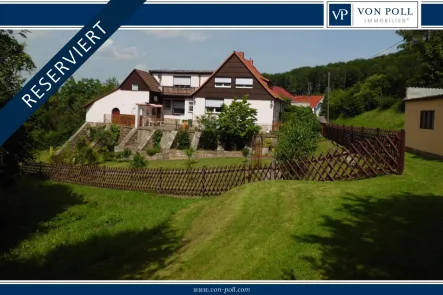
(241, 53)
(251, 61)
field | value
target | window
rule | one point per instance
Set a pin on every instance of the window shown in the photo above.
(167, 104)
(213, 105)
(243, 82)
(223, 82)
(134, 87)
(178, 107)
(182, 82)
(427, 119)
(191, 107)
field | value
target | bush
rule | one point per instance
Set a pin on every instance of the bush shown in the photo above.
(245, 153)
(303, 115)
(183, 140)
(237, 123)
(385, 103)
(105, 138)
(107, 154)
(126, 154)
(152, 151)
(190, 161)
(157, 137)
(267, 143)
(86, 155)
(295, 139)
(208, 125)
(138, 161)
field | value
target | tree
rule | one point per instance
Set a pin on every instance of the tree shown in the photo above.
(13, 61)
(302, 114)
(237, 123)
(296, 138)
(208, 124)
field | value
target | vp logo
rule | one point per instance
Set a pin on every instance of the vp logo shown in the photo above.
(340, 14)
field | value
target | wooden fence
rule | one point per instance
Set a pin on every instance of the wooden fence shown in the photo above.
(122, 119)
(181, 182)
(385, 146)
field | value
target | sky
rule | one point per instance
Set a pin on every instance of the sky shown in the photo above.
(272, 51)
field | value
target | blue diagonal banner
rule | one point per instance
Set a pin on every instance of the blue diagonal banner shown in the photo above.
(68, 60)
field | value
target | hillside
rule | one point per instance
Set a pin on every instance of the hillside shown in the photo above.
(382, 228)
(386, 119)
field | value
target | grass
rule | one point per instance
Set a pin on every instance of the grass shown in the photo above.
(387, 227)
(386, 119)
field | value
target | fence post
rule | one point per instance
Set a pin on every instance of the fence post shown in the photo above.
(401, 150)
(244, 173)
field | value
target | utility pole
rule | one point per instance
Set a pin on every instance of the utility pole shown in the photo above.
(329, 92)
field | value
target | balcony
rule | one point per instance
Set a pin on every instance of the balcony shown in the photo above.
(177, 90)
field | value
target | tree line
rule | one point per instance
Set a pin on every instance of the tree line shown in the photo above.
(361, 85)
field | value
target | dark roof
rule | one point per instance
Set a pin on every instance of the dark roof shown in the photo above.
(149, 80)
(249, 64)
(182, 71)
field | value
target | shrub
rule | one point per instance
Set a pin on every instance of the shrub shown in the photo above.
(190, 161)
(208, 124)
(157, 137)
(267, 143)
(118, 156)
(126, 154)
(81, 143)
(138, 161)
(106, 138)
(86, 155)
(385, 103)
(295, 139)
(107, 154)
(237, 123)
(153, 151)
(245, 153)
(183, 140)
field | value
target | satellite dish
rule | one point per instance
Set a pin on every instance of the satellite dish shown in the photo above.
(155, 98)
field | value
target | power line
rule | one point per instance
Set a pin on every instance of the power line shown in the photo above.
(387, 49)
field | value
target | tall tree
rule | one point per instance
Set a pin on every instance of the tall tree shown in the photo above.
(13, 61)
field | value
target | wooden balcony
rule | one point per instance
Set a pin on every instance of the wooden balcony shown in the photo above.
(177, 91)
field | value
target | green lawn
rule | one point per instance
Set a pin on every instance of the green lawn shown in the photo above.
(387, 119)
(389, 227)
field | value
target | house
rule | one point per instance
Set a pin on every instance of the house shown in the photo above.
(314, 102)
(235, 77)
(158, 97)
(145, 97)
(424, 121)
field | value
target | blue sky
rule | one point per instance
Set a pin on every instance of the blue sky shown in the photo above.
(272, 51)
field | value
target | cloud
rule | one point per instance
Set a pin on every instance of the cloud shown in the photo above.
(142, 67)
(191, 36)
(110, 50)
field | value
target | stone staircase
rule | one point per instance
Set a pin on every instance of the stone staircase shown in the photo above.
(71, 142)
(167, 139)
(195, 140)
(124, 131)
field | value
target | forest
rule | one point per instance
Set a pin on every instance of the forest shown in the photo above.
(362, 85)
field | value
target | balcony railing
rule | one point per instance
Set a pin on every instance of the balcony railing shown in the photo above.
(177, 90)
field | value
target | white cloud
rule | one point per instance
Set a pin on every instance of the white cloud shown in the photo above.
(110, 50)
(191, 36)
(142, 67)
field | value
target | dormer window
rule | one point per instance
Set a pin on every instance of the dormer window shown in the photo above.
(243, 82)
(134, 87)
(223, 82)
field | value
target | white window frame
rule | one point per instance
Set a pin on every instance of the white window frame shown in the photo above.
(191, 107)
(134, 87)
(165, 104)
(222, 82)
(182, 85)
(173, 109)
(241, 84)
